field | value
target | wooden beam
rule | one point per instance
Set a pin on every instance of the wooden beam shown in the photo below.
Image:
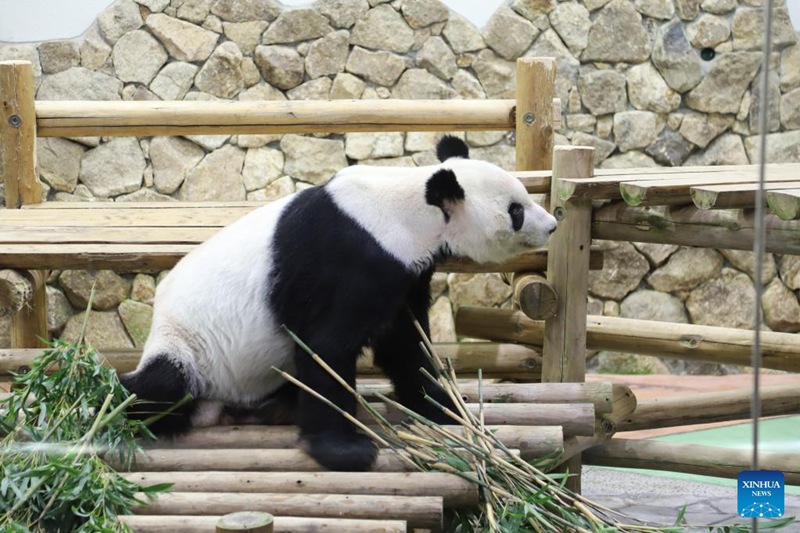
(664, 339)
(283, 524)
(534, 126)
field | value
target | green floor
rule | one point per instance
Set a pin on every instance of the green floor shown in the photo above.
(779, 434)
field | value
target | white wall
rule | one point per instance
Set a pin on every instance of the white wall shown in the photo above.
(40, 20)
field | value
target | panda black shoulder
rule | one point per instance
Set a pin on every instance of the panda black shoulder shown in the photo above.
(451, 146)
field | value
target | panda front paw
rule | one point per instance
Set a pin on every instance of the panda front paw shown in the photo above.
(347, 452)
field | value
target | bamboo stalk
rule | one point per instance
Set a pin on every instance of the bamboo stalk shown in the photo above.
(690, 458)
(455, 491)
(283, 524)
(706, 407)
(665, 339)
(417, 511)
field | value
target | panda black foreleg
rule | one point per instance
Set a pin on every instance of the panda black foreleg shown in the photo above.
(326, 435)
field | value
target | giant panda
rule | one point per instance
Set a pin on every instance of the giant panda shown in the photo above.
(339, 265)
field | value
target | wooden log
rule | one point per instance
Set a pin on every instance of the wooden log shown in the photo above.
(283, 524)
(785, 203)
(92, 118)
(535, 441)
(734, 196)
(246, 521)
(495, 360)
(18, 157)
(534, 125)
(455, 491)
(15, 291)
(689, 226)
(534, 296)
(706, 407)
(664, 339)
(417, 511)
(690, 458)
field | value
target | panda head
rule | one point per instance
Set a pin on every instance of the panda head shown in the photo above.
(489, 215)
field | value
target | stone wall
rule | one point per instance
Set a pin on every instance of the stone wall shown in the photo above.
(646, 82)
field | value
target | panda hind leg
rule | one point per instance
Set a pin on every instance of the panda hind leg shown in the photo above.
(279, 408)
(158, 385)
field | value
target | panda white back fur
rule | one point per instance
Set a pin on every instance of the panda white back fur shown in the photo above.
(339, 265)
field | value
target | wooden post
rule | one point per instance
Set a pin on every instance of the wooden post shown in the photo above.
(246, 521)
(18, 157)
(564, 347)
(534, 128)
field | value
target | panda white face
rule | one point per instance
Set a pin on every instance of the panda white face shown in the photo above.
(497, 219)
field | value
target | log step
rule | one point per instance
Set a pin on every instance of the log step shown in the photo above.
(283, 524)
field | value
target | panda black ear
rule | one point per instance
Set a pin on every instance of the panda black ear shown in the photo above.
(451, 146)
(443, 190)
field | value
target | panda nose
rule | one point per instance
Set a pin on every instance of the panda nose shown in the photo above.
(553, 228)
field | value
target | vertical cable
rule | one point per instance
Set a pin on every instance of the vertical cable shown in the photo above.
(758, 244)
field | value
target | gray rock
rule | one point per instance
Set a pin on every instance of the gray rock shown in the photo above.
(646, 304)
(328, 158)
(361, 146)
(670, 148)
(711, 303)
(437, 58)
(109, 288)
(745, 261)
(143, 288)
(789, 269)
(602, 148)
(549, 45)
(582, 122)
(648, 90)
(317, 89)
(603, 91)
(183, 40)
(790, 68)
(172, 158)
(773, 103)
(496, 75)
(781, 309)
(94, 49)
(342, 13)
(687, 9)
(781, 147)
(346, 87)
(419, 84)
(280, 66)
(423, 13)
(78, 83)
(118, 19)
(686, 269)
(104, 330)
(59, 309)
(531, 9)
(572, 23)
(628, 364)
(261, 91)
(222, 73)
(502, 155)
(217, 177)
(274, 191)
(195, 11)
(508, 34)
(675, 58)
(23, 52)
(725, 150)
(462, 35)
(246, 10)
(722, 88)
(250, 73)
(467, 85)
(442, 324)
(631, 159)
(262, 166)
(113, 168)
(155, 6)
(617, 35)
(623, 271)
(382, 68)
(328, 55)
(482, 138)
(59, 162)
(144, 195)
(718, 7)
(174, 80)
(383, 28)
(484, 290)
(56, 56)
(708, 31)
(138, 57)
(655, 253)
(701, 129)
(137, 318)
(790, 109)
(296, 25)
(657, 9)
(635, 129)
(748, 29)
(246, 35)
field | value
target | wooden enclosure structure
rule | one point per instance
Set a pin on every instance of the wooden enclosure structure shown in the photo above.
(543, 339)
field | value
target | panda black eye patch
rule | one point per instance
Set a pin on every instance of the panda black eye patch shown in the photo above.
(517, 213)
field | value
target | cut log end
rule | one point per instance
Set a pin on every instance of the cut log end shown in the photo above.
(535, 296)
(246, 521)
